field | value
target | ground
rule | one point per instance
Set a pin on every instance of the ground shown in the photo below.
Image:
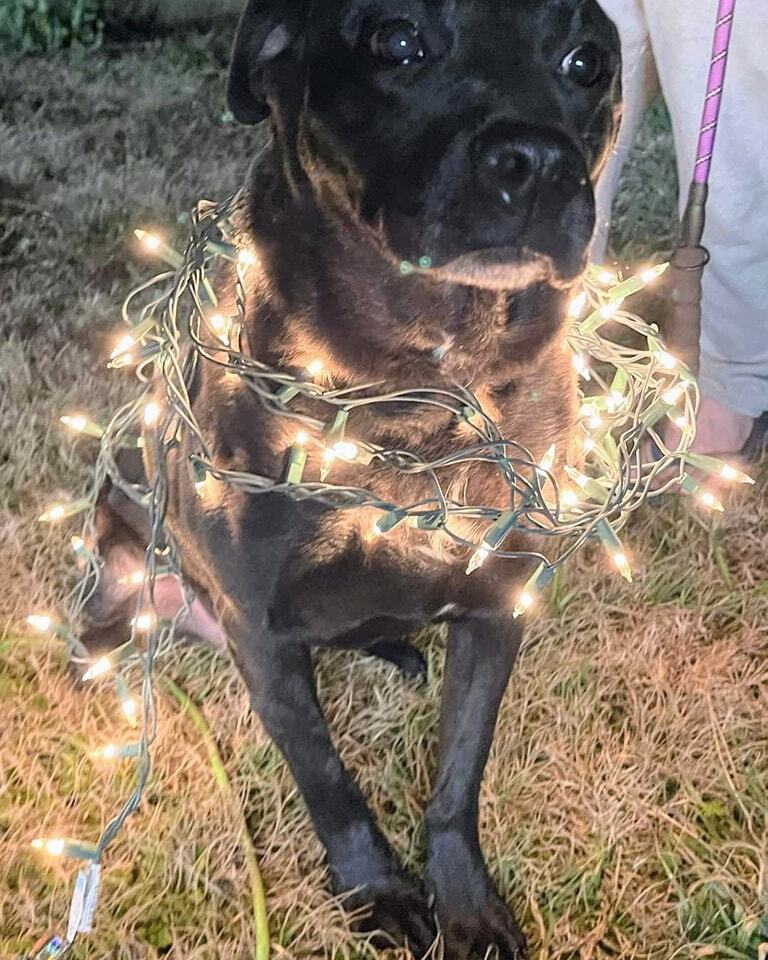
(624, 809)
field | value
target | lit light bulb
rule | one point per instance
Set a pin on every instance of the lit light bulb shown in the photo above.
(56, 512)
(653, 273)
(731, 473)
(150, 240)
(77, 423)
(569, 498)
(548, 460)
(372, 533)
(622, 565)
(113, 751)
(591, 488)
(54, 846)
(345, 449)
(220, 326)
(315, 368)
(576, 306)
(672, 396)
(524, 603)
(589, 445)
(615, 400)
(81, 424)
(595, 422)
(302, 437)
(665, 359)
(151, 413)
(609, 310)
(608, 278)
(478, 559)
(134, 579)
(143, 622)
(582, 366)
(680, 422)
(98, 669)
(123, 345)
(130, 710)
(40, 622)
(246, 258)
(710, 501)
(78, 547)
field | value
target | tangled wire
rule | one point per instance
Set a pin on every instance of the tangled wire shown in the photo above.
(630, 392)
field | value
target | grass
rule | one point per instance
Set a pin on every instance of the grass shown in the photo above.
(624, 811)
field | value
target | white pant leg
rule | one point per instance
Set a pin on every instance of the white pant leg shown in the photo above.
(640, 86)
(734, 339)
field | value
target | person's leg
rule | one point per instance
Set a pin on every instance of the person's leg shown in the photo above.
(640, 86)
(734, 340)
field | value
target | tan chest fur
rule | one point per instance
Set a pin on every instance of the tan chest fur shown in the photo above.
(539, 413)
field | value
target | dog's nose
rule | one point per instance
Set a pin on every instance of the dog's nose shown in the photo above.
(513, 163)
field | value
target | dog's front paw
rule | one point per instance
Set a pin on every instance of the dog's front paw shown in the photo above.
(397, 912)
(490, 933)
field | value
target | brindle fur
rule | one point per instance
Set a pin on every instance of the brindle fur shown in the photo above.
(329, 223)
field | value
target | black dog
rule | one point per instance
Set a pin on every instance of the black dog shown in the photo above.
(460, 134)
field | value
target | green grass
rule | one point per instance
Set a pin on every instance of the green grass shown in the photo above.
(645, 212)
(624, 808)
(34, 26)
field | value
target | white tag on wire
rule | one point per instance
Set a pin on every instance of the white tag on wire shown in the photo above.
(84, 899)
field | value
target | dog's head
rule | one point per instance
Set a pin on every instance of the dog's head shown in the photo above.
(465, 133)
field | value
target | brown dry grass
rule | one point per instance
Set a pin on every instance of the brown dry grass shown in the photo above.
(624, 808)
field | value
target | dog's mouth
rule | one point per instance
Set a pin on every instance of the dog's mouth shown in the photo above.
(505, 207)
(508, 256)
(452, 230)
(504, 268)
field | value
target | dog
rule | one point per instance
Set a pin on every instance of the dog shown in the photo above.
(463, 136)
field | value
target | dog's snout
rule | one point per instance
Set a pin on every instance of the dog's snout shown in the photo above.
(513, 163)
(508, 168)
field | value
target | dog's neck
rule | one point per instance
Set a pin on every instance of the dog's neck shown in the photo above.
(329, 291)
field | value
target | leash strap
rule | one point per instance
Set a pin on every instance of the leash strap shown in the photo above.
(691, 256)
(714, 99)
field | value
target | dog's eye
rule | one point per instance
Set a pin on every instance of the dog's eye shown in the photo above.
(584, 65)
(398, 41)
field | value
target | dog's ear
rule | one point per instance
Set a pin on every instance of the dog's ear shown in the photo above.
(266, 30)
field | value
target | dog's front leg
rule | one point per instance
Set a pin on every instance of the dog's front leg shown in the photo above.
(281, 682)
(473, 918)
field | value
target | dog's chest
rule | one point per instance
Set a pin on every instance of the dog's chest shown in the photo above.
(334, 566)
(427, 563)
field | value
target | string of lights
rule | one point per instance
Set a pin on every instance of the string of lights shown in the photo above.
(632, 389)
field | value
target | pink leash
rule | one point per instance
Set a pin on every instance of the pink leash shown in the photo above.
(690, 256)
(714, 98)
